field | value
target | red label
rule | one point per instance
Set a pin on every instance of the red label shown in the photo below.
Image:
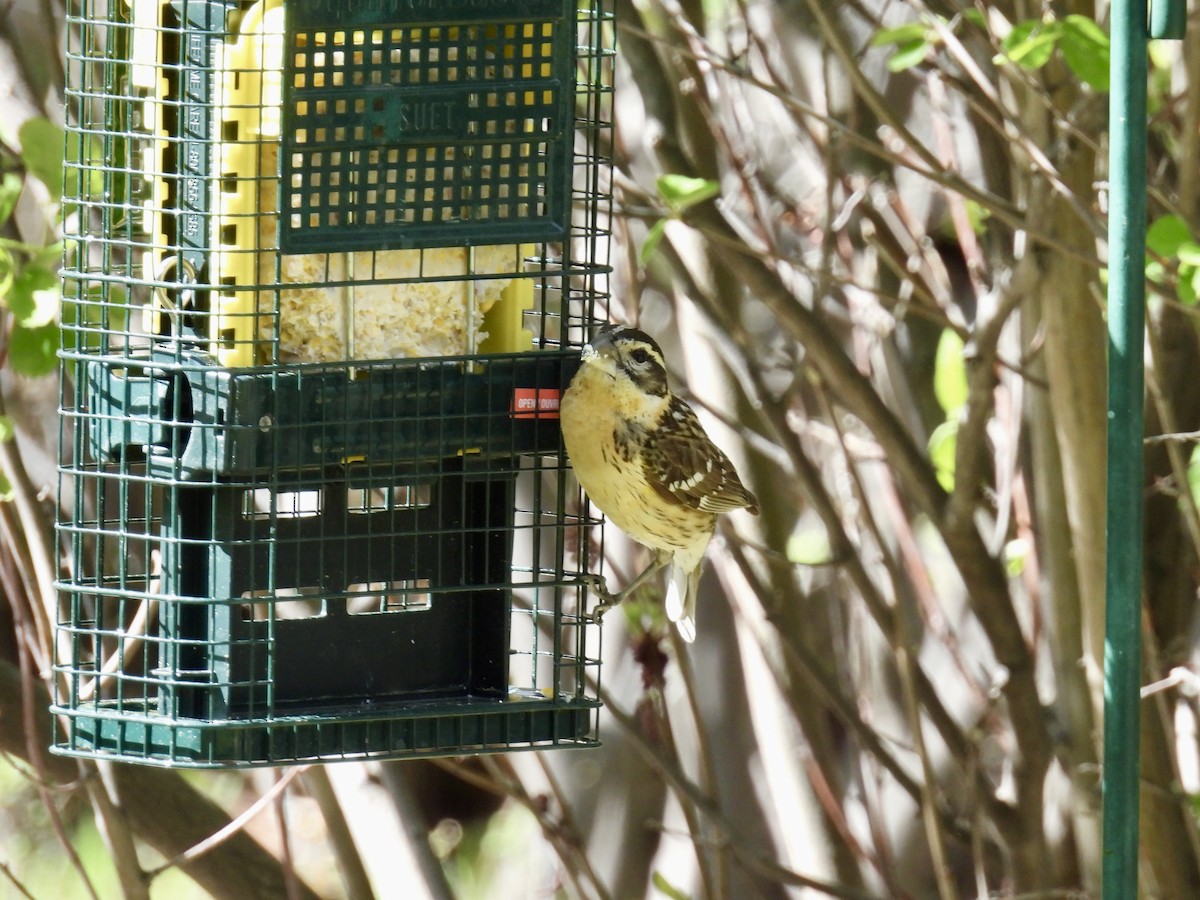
(535, 403)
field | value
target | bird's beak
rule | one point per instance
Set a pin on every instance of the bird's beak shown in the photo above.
(596, 345)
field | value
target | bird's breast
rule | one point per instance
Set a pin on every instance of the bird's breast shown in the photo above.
(605, 452)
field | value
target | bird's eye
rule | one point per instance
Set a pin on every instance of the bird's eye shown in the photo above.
(640, 356)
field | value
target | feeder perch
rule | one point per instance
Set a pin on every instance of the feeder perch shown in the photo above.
(328, 269)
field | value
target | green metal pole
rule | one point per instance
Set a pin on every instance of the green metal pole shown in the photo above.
(1126, 301)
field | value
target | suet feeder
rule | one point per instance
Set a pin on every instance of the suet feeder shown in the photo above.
(328, 268)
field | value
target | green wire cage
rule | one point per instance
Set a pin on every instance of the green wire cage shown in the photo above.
(328, 269)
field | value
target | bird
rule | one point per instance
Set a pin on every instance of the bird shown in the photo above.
(644, 460)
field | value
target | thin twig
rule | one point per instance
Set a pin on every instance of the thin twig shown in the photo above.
(565, 841)
(36, 524)
(691, 814)
(997, 206)
(132, 640)
(235, 825)
(901, 639)
(747, 853)
(287, 860)
(1177, 677)
(1180, 437)
(413, 826)
(345, 850)
(8, 873)
(24, 587)
(115, 829)
(1170, 421)
(26, 641)
(572, 827)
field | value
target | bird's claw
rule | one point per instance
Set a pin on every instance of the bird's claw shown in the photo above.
(601, 608)
(608, 599)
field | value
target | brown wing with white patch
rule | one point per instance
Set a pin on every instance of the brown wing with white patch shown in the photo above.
(688, 468)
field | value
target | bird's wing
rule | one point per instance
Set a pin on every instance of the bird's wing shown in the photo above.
(688, 468)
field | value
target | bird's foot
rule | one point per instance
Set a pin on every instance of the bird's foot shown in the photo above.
(608, 599)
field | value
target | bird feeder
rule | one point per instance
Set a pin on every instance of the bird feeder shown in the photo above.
(328, 269)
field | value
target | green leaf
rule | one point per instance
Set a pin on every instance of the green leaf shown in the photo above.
(1189, 285)
(1194, 802)
(1166, 234)
(975, 17)
(33, 297)
(42, 153)
(900, 34)
(809, 547)
(31, 351)
(1187, 288)
(1193, 472)
(1016, 552)
(11, 185)
(978, 215)
(8, 274)
(1086, 49)
(1188, 253)
(909, 55)
(1030, 44)
(653, 239)
(950, 373)
(683, 191)
(665, 887)
(7, 431)
(49, 257)
(943, 444)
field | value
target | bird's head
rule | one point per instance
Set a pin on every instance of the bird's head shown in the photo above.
(632, 359)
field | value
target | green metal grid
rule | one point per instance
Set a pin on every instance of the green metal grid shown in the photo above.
(408, 732)
(279, 553)
(427, 133)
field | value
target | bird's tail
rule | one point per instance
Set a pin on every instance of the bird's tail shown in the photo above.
(681, 600)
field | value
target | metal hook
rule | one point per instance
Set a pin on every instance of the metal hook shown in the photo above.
(187, 295)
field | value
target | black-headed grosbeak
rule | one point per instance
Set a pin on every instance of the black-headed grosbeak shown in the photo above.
(644, 460)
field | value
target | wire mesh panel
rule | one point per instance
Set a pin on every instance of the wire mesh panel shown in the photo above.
(472, 119)
(328, 270)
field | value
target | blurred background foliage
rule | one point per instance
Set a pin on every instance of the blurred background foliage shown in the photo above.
(870, 237)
